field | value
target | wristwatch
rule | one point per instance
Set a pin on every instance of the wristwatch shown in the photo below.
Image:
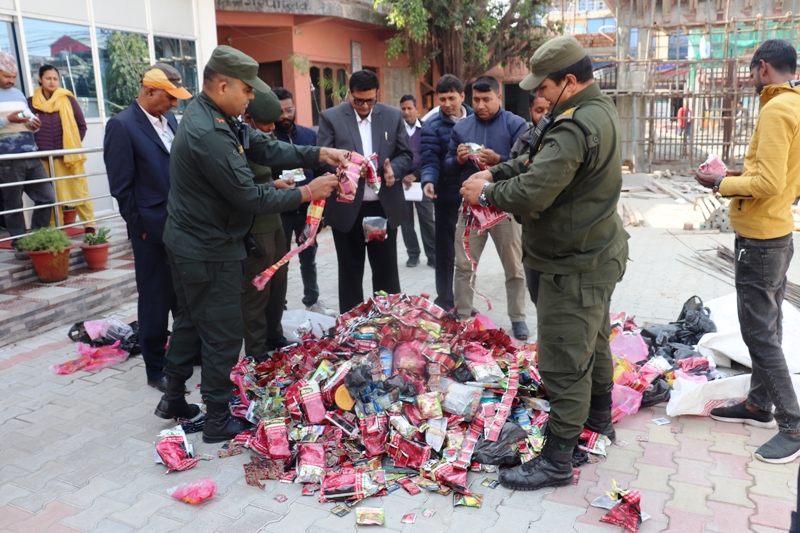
(482, 198)
(717, 183)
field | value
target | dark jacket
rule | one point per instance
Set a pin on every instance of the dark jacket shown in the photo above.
(137, 164)
(499, 133)
(338, 129)
(435, 140)
(51, 134)
(212, 197)
(301, 136)
(567, 196)
(523, 144)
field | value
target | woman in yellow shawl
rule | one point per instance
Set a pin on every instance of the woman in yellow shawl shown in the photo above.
(63, 127)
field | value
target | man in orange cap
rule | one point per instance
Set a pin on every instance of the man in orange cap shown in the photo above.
(137, 145)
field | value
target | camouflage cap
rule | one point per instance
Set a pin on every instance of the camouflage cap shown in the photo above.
(236, 64)
(552, 56)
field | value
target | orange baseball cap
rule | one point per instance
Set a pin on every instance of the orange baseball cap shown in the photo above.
(163, 76)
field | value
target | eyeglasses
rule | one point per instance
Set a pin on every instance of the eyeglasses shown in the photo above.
(288, 111)
(360, 102)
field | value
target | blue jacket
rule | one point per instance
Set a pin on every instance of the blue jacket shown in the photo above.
(498, 133)
(435, 140)
(301, 136)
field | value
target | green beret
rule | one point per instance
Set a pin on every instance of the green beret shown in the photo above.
(552, 56)
(234, 63)
(264, 108)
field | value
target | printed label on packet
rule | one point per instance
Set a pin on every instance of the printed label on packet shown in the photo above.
(409, 518)
(660, 421)
(340, 510)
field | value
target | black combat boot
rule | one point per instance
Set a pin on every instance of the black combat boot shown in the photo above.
(599, 419)
(220, 425)
(173, 403)
(551, 468)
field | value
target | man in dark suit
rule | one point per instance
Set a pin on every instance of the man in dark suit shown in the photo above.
(365, 126)
(136, 152)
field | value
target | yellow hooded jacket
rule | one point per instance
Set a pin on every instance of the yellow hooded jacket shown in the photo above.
(770, 182)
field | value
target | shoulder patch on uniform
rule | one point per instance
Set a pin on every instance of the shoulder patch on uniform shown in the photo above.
(220, 120)
(566, 114)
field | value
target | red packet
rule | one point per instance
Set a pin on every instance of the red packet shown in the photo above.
(276, 437)
(312, 402)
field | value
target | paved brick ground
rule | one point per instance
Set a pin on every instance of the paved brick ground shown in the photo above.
(76, 451)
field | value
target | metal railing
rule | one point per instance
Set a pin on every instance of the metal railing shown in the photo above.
(50, 155)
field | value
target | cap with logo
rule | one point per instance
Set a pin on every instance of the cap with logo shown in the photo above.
(264, 107)
(234, 63)
(552, 56)
(166, 77)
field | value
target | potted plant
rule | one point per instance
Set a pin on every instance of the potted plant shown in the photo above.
(49, 249)
(95, 249)
(68, 213)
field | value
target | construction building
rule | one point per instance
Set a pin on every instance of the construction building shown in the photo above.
(681, 76)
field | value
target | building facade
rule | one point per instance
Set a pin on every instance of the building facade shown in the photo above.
(311, 46)
(100, 48)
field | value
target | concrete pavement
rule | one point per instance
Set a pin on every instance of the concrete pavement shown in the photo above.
(76, 451)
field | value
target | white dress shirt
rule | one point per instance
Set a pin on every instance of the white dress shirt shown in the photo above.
(365, 131)
(411, 128)
(161, 126)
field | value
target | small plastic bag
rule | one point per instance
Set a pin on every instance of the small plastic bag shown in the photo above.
(194, 492)
(714, 165)
(459, 399)
(374, 228)
(625, 401)
(311, 463)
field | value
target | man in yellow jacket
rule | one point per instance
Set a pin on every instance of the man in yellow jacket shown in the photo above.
(761, 216)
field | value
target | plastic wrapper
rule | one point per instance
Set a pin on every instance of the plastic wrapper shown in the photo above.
(407, 453)
(435, 432)
(374, 430)
(591, 442)
(481, 363)
(348, 177)
(294, 175)
(351, 485)
(627, 513)
(329, 389)
(311, 463)
(503, 451)
(175, 452)
(468, 500)
(194, 492)
(632, 347)
(459, 399)
(406, 357)
(375, 228)
(446, 474)
(312, 402)
(403, 426)
(93, 358)
(714, 165)
(624, 401)
(429, 405)
(370, 516)
(273, 434)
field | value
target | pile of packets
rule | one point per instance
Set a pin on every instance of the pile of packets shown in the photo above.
(648, 361)
(399, 396)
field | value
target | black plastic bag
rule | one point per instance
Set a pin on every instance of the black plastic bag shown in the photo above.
(130, 343)
(502, 451)
(661, 335)
(658, 392)
(695, 322)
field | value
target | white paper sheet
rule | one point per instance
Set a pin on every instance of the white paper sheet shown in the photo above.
(414, 194)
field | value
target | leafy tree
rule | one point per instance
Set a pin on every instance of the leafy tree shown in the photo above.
(128, 58)
(465, 37)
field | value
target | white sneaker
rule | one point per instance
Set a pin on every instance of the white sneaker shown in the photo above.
(321, 308)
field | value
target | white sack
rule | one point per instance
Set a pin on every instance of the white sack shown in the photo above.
(689, 398)
(727, 344)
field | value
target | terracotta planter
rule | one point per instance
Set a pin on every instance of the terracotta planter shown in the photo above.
(51, 267)
(69, 216)
(96, 255)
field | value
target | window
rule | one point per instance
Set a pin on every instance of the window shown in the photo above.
(634, 42)
(602, 24)
(8, 43)
(182, 56)
(574, 29)
(591, 5)
(67, 47)
(123, 59)
(329, 84)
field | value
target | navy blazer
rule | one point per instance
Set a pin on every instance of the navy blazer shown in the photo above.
(137, 163)
(338, 129)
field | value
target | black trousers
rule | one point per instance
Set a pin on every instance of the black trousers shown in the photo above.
(351, 251)
(156, 300)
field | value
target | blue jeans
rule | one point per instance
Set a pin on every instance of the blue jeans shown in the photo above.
(761, 267)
